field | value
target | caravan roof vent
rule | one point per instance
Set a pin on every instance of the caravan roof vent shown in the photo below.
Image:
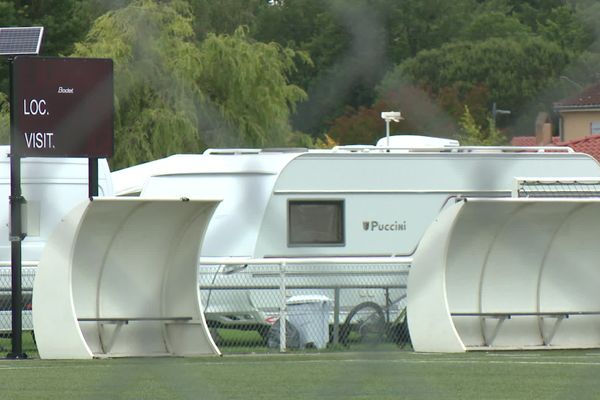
(416, 141)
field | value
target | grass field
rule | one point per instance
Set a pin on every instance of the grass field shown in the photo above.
(334, 375)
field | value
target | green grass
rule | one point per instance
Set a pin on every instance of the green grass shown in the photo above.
(28, 345)
(356, 375)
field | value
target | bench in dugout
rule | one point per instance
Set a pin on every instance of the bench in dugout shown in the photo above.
(503, 316)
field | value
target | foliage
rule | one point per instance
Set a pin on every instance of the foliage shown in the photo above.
(173, 96)
(4, 119)
(156, 78)
(472, 134)
(563, 26)
(327, 142)
(346, 44)
(65, 22)
(246, 81)
(307, 25)
(223, 17)
(364, 125)
(447, 54)
(494, 24)
(359, 126)
(417, 25)
(513, 71)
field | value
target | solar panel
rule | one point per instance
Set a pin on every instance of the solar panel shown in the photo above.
(15, 41)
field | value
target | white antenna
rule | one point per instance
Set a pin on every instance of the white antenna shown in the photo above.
(389, 116)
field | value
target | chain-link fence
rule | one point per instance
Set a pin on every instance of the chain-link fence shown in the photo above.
(27, 278)
(335, 303)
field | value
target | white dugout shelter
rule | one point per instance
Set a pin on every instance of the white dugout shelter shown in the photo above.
(508, 274)
(119, 278)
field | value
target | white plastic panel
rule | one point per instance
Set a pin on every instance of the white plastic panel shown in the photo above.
(124, 259)
(527, 261)
(427, 304)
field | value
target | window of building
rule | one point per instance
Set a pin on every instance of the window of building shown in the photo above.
(316, 222)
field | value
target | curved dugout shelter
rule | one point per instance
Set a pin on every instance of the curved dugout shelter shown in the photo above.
(508, 274)
(119, 278)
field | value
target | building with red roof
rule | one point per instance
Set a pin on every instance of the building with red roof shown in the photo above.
(579, 126)
(580, 114)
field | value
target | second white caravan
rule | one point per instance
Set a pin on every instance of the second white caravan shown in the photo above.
(345, 222)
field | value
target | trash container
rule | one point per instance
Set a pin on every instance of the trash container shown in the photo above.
(309, 314)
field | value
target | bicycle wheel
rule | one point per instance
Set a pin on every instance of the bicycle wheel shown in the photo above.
(364, 324)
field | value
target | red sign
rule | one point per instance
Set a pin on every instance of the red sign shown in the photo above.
(62, 107)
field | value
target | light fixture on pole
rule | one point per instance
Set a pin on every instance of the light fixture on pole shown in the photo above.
(496, 111)
(389, 116)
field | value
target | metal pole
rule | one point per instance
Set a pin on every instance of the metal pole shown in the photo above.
(16, 236)
(387, 132)
(282, 310)
(336, 315)
(92, 177)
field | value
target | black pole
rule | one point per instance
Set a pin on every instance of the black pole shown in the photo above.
(92, 177)
(16, 236)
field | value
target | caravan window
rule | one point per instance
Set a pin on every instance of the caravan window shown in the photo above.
(315, 222)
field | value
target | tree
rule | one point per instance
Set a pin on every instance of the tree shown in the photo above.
(346, 43)
(247, 83)
(311, 26)
(417, 25)
(156, 78)
(562, 25)
(4, 119)
(173, 96)
(472, 134)
(514, 71)
(359, 126)
(494, 24)
(223, 17)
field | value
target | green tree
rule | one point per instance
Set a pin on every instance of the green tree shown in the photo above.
(346, 42)
(223, 17)
(494, 24)
(563, 25)
(514, 71)
(156, 78)
(311, 26)
(416, 25)
(174, 96)
(4, 119)
(247, 83)
(472, 134)
(359, 126)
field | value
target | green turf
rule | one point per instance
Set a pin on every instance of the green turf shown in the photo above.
(366, 375)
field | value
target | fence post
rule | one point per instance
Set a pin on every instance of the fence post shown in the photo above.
(282, 309)
(336, 315)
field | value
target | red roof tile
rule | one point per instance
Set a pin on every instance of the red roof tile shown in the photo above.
(587, 98)
(587, 144)
(523, 141)
(531, 141)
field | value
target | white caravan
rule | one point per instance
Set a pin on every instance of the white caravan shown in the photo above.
(369, 203)
(51, 188)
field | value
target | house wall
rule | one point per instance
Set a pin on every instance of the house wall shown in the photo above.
(577, 124)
